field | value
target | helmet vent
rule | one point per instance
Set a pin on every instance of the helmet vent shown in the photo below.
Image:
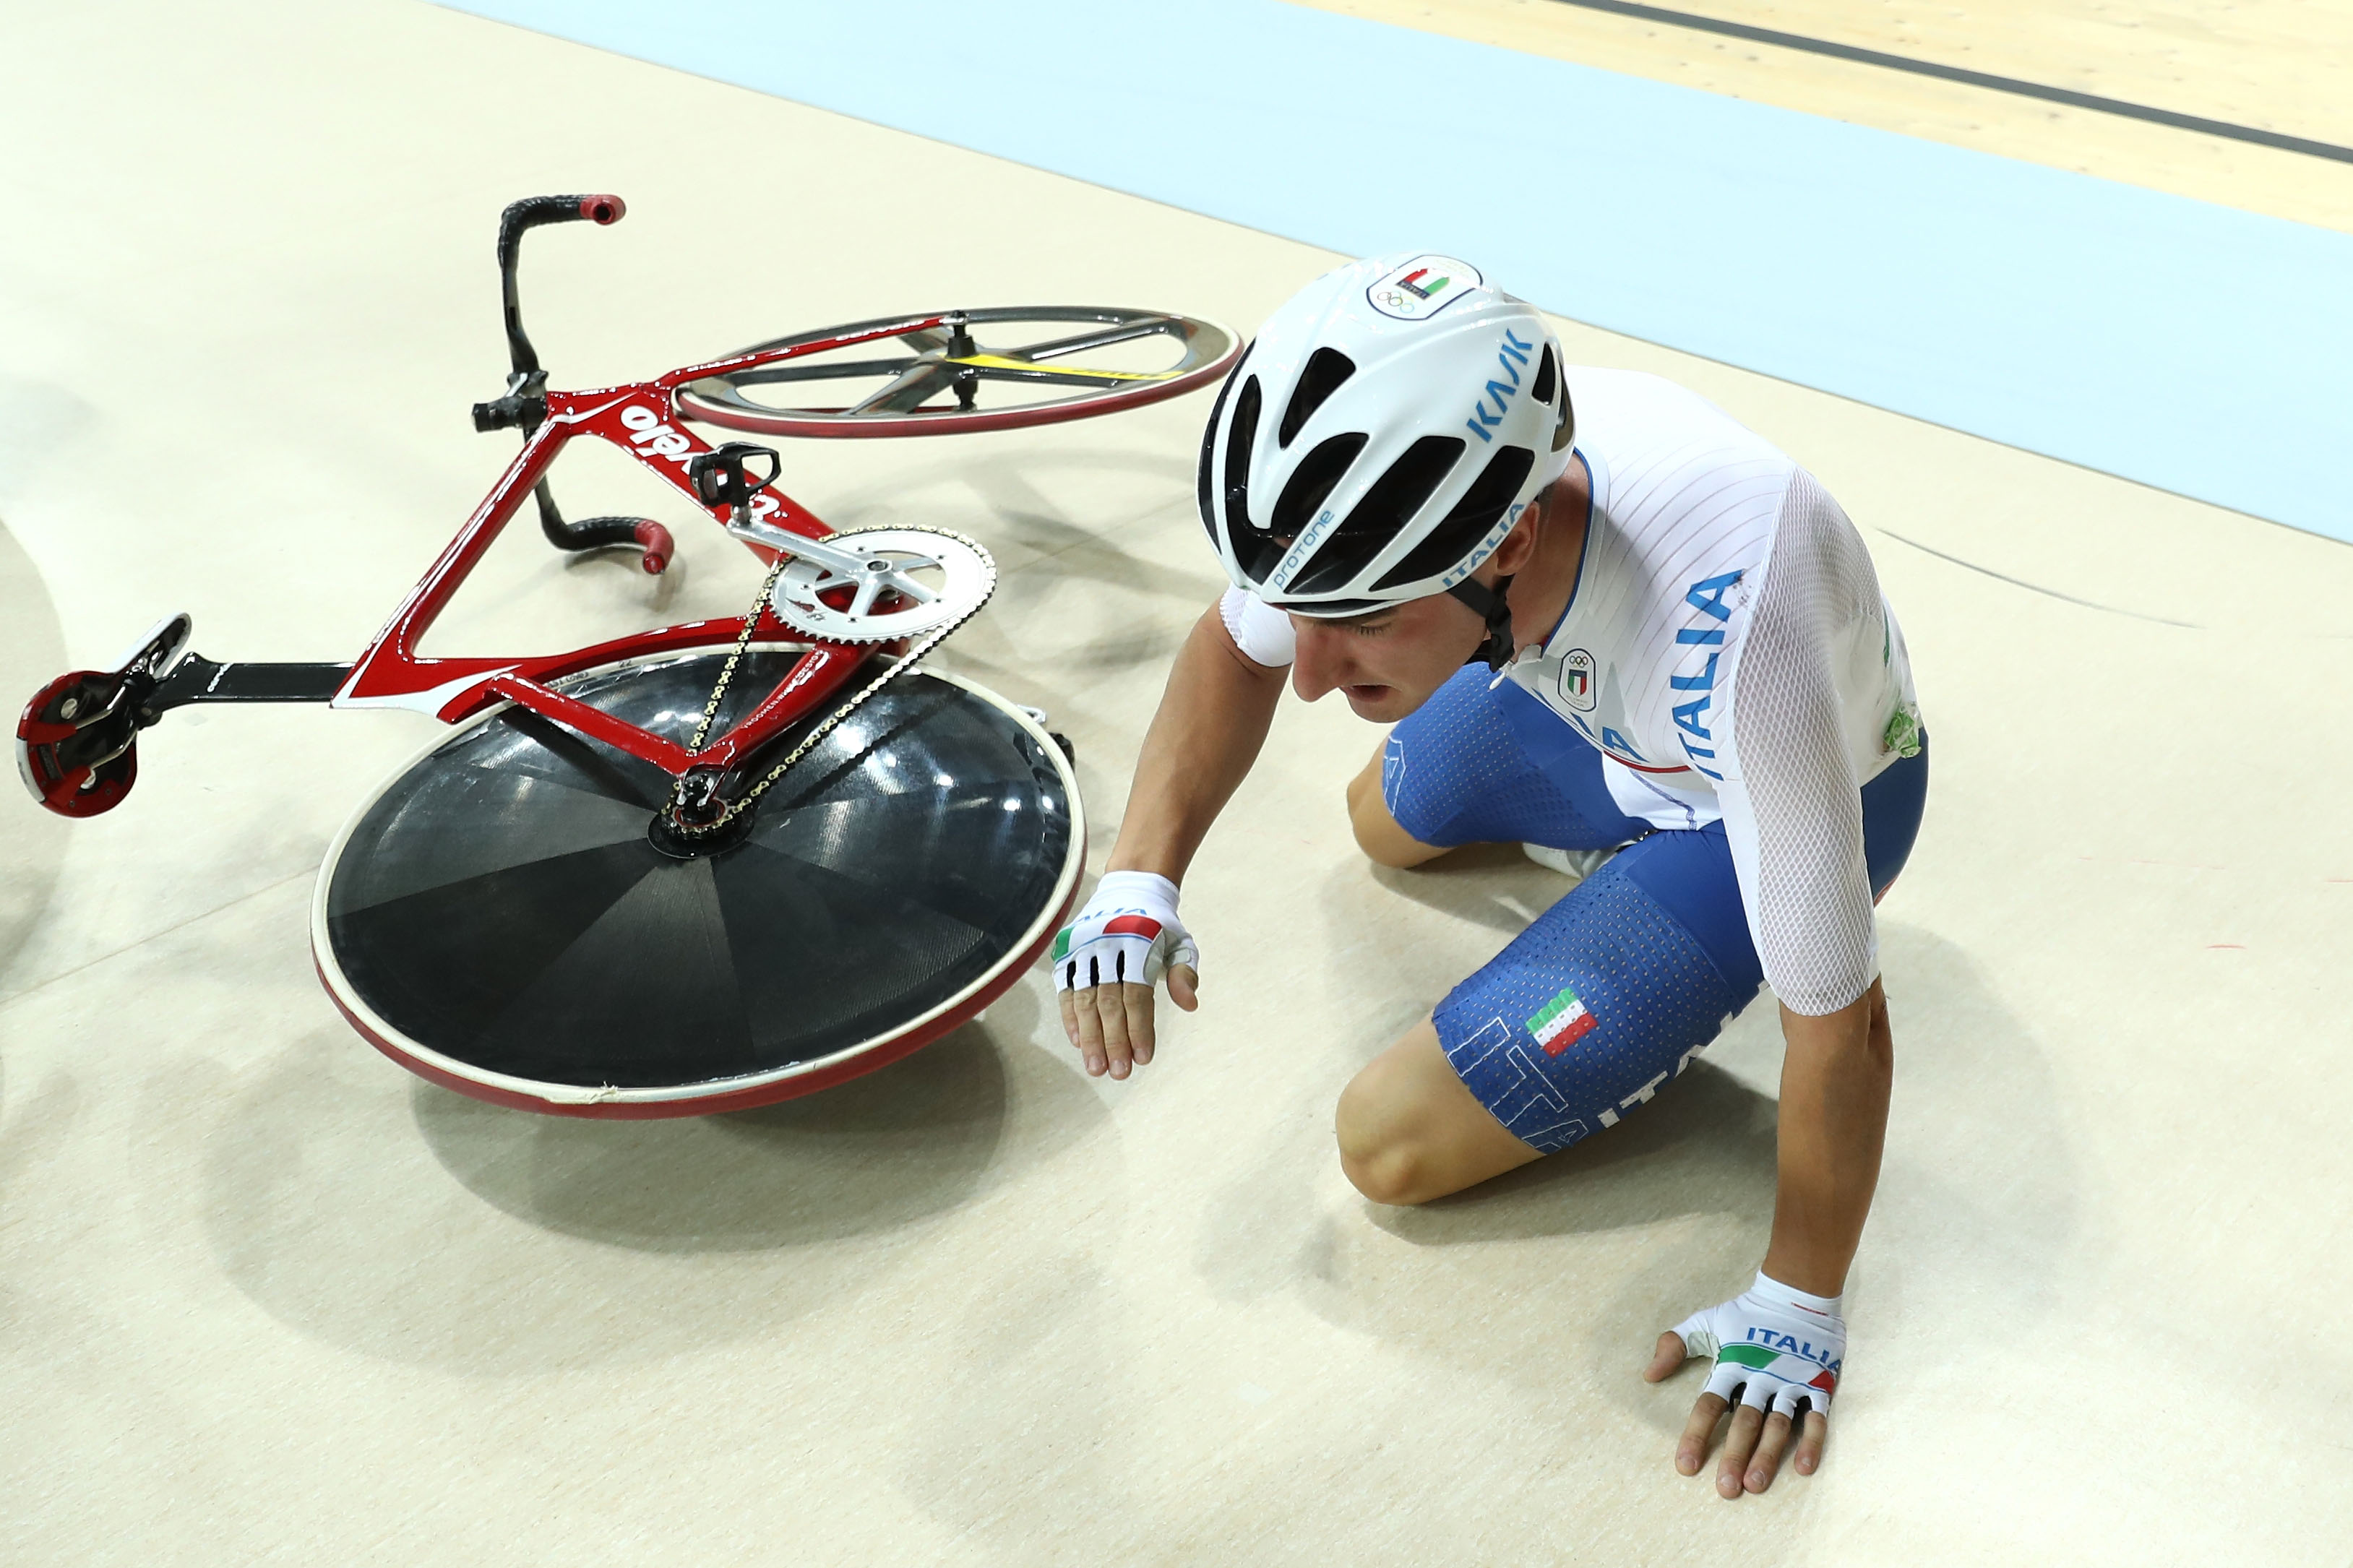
(1312, 480)
(1241, 434)
(1205, 487)
(1391, 503)
(1480, 508)
(1545, 376)
(1326, 369)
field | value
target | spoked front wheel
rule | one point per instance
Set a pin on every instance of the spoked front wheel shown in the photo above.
(497, 919)
(996, 369)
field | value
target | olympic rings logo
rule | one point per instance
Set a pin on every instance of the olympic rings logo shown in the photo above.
(1396, 300)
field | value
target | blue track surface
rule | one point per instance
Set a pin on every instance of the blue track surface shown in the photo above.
(2192, 347)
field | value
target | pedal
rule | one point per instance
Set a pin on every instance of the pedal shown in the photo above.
(77, 740)
(724, 475)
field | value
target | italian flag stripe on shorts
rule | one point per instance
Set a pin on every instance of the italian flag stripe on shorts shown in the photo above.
(1561, 1022)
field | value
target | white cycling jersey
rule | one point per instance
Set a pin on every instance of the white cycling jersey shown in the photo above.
(1727, 644)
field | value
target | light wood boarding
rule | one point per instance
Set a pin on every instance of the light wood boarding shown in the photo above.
(2274, 65)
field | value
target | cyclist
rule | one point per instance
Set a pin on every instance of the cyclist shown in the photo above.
(1676, 648)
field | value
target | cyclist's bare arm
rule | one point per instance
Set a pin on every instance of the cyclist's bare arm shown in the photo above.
(1213, 718)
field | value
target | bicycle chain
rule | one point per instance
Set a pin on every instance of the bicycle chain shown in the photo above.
(833, 720)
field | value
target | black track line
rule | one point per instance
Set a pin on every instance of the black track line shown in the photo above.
(1969, 78)
(2037, 588)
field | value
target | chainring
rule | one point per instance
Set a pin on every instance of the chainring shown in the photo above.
(913, 581)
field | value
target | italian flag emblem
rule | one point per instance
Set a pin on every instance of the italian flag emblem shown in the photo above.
(1561, 1022)
(1144, 926)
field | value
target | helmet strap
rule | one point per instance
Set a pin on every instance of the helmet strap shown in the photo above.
(1489, 605)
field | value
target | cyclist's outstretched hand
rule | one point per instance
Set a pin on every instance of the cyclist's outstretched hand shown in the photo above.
(1777, 1354)
(1107, 960)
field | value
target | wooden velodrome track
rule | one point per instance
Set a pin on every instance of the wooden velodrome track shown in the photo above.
(264, 1298)
(2275, 64)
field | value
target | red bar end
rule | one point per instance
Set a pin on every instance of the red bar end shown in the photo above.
(657, 544)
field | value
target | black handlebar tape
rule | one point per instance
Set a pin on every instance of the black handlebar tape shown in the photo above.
(532, 210)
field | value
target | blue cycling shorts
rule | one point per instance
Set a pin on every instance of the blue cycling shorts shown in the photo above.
(1609, 994)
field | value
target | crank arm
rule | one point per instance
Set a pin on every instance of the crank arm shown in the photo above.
(844, 564)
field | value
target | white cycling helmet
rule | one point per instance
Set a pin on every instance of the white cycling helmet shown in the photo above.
(1380, 438)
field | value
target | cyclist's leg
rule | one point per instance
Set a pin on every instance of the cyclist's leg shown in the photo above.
(1592, 1009)
(1483, 764)
(1580, 1020)
(1410, 1130)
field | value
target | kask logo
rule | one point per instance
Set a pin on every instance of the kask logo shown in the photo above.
(1510, 360)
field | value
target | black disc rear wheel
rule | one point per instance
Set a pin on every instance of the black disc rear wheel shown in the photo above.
(497, 919)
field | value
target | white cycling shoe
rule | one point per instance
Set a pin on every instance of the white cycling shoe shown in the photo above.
(1577, 864)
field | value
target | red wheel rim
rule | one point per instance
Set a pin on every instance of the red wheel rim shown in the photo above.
(1211, 351)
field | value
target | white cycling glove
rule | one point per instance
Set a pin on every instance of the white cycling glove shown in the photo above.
(1127, 933)
(1781, 1348)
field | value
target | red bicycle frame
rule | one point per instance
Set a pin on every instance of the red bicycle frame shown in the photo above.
(641, 419)
(76, 741)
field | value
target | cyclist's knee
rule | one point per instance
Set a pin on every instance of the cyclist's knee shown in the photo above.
(1390, 1178)
(1386, 1170)
(1380, 1152)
